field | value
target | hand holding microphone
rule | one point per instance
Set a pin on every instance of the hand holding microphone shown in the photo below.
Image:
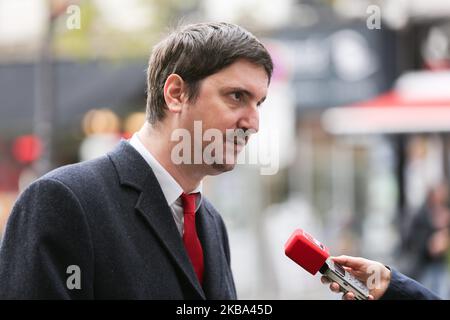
(346, 274)
(362, 269)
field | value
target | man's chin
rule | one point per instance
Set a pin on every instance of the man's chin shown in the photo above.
(222, 167)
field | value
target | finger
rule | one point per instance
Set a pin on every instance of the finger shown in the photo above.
(334, 286)
(351, 262)
(359, 274)
(371, 297)
(348, 296)
(325, 280)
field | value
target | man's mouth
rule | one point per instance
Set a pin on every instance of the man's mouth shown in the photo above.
(237, 139)
(237, 142)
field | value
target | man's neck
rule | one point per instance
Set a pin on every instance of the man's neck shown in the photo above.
(158, 143)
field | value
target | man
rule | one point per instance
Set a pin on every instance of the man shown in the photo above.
(134, 224)
(392, 285)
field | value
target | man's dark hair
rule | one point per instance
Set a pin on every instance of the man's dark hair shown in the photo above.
(194, 52)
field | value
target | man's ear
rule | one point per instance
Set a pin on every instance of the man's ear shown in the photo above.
(174, 92)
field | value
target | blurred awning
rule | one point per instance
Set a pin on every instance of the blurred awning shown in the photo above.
(420, 102)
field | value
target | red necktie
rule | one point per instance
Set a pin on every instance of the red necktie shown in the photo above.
(190, 238)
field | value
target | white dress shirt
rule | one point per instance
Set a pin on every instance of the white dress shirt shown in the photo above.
(171, 189)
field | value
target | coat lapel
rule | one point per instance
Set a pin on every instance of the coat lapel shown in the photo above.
(152, 205)
(214, 257)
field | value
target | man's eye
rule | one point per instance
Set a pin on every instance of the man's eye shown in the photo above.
(237, 96)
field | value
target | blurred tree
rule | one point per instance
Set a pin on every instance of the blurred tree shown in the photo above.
(118, 29)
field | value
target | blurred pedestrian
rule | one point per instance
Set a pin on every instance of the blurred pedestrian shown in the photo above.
(428, 241)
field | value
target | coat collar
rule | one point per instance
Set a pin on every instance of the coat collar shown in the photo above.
(130, 166)
(133, 171)
(170, 187)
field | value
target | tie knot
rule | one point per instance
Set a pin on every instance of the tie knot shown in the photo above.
(189, 202)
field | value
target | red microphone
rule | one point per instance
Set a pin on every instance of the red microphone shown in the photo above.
(306, 251)
(313, 256)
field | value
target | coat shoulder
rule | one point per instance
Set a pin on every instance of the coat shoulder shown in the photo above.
(86, 175)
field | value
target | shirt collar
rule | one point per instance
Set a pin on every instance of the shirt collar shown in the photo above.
(170, 187)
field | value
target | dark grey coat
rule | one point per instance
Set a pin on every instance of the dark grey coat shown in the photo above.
(109, 217)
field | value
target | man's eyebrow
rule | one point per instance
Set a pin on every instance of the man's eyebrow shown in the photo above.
(246, 92)
(261, 101)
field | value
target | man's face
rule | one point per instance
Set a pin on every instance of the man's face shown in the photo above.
(228, 101)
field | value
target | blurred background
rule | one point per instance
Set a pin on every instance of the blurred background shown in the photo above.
(358, 116)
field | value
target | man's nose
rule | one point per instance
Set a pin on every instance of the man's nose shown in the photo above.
(249, 119)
